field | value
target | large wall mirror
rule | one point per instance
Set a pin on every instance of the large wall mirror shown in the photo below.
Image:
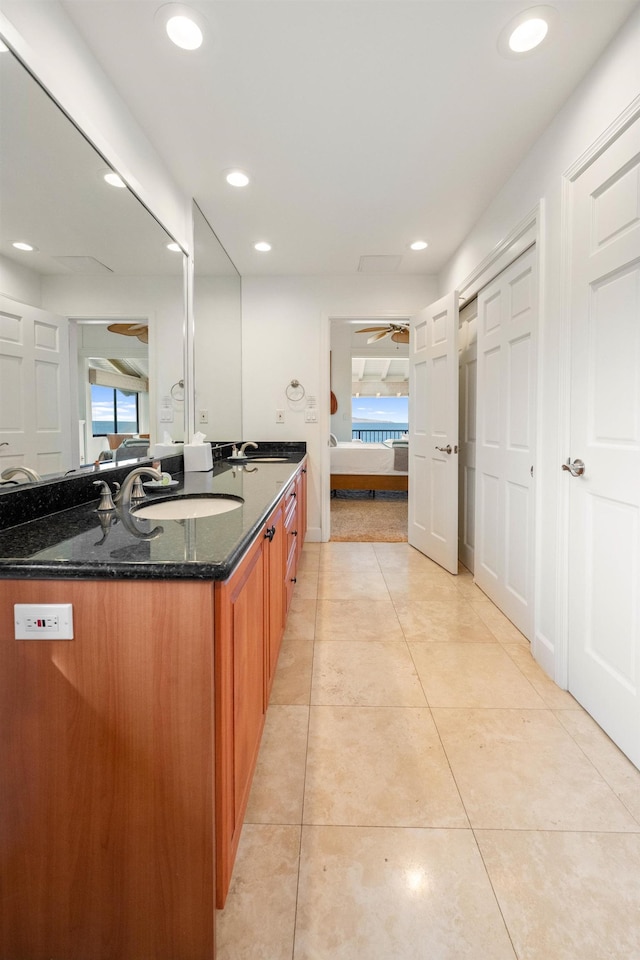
(92, 318)
(217, 310)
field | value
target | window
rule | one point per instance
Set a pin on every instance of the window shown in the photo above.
(113, 411)
(378, 418)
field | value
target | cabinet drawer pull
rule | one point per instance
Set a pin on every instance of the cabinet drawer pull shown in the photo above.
(293, 493)
(270, 533)
(294, 579)
(294, 533)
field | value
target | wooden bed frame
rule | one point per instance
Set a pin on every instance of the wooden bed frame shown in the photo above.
(369, 481)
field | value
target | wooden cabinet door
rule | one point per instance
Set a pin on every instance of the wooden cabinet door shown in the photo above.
(240, 700)
(275, 566)
(301, 490)
(106, 774)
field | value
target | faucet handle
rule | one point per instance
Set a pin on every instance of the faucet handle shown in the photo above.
(137, 492)
(106, 502)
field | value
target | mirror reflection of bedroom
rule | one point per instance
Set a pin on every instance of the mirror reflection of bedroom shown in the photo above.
(369, 429)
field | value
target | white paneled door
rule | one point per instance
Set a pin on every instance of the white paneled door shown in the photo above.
(433, 432)
(604, 496)
(468, 353)
(35, 414)
(505, 447)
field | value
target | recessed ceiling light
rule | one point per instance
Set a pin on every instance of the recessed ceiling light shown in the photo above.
(237, 178)
(262, 246)
(114, 180)
(526, 31)
(528, 35)
(184, 32)
(21, 245)
(184, 27)
(419, 245)
(174, 247)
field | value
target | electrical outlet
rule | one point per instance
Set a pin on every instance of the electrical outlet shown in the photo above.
(203, 416)
(279, 416)
(43, 621)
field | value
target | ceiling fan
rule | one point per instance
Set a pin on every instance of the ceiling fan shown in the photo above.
(399, 332)
(139, 330)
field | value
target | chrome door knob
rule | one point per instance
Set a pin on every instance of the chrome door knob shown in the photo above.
(575, 468)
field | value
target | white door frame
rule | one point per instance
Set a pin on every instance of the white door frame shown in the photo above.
(325, 388)
(523, 235)
(560, 665)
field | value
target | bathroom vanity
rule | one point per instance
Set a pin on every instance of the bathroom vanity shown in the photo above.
(127, 752)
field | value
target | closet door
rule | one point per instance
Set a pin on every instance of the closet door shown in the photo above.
(504, 549)
(433, 432)
(604, 495)
(468, 353)
(34, 388)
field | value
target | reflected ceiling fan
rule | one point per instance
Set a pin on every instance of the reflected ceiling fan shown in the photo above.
(139, 330)
(399, 332)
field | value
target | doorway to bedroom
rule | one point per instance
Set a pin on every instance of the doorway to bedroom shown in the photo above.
(369, 376)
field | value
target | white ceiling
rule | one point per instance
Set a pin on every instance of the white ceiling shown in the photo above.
(364, 124)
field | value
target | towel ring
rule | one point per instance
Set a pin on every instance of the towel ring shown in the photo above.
(295, 390)
(179, 387)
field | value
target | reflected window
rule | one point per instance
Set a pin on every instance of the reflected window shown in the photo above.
(113, 411)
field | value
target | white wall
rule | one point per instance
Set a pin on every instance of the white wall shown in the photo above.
(218, 356)
(604, 94)
(20, 283)
(341, 379)
(156, 299)
(285, 336)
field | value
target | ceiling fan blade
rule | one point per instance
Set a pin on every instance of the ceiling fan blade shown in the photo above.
(372, 329)
(379, 336)
(129, 329)
(400, 336)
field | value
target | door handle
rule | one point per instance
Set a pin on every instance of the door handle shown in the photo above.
(576, 469)
(446, 449)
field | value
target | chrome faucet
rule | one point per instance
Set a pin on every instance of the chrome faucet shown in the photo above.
(12, 471)
(123, 496)
(249, 443)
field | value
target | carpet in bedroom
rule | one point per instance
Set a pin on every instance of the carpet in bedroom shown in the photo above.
(357, 516)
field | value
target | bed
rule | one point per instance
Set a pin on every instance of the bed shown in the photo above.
(369, 466)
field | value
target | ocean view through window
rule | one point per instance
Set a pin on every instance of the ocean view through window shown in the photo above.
(113, 411)
(374, 419)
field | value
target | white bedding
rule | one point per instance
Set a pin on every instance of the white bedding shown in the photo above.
(357, 458)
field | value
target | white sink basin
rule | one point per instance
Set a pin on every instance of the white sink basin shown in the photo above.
(187, 508)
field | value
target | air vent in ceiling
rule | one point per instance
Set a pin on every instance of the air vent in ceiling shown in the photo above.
(379, 264)
(85, 265)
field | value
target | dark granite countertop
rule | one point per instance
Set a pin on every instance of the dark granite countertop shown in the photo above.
(79, 542)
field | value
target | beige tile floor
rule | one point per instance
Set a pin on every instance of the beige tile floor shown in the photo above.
(423, 789)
